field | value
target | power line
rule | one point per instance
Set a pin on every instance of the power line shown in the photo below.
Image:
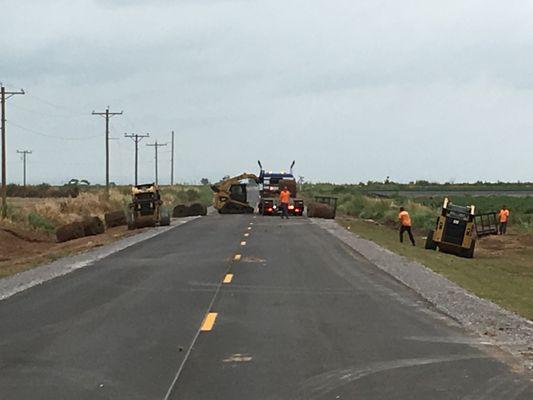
(136, 138)
(107, 115)
(156, 146)
(32, 111)
(24, 154)
(3, 98)
(60, 107)
(46, 135)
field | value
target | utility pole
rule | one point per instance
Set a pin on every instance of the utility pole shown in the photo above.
(24, 154)
(4, 95)
(136, 138)
(107, 115)
(172, 162)
(156, 146)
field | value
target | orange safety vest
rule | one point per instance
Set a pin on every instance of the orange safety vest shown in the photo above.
(504, 215)
(404, 218)
(285, 197)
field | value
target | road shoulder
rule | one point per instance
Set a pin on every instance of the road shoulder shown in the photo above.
(14, 284)
(482, 317)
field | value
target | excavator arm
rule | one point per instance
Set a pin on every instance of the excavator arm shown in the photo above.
(222, 200)
(225, 185)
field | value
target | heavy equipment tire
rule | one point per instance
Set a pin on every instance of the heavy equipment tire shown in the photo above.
(430, 243)
(263, 208)
(469, 253)
(164, 217)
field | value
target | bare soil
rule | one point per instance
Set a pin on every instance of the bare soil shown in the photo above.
(500, 245)
(494, 245)
(22, 249)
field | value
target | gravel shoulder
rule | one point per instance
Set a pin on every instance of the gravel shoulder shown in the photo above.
(494, 324)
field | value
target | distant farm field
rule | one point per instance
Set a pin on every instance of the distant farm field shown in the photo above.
(365, 204)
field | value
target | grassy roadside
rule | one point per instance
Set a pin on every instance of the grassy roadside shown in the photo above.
(501, 272)
(27, 236)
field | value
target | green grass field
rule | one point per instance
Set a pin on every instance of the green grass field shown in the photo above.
(501, 271)
(356, 202)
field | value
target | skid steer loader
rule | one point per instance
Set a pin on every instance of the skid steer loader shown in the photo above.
(454, 231)
(146, 207)
(231, 196)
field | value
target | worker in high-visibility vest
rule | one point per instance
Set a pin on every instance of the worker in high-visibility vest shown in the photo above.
(405, 225)
(503, 217)
(284, 201)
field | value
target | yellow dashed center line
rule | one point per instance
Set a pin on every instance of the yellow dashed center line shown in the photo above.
(243, 243)
(237, 257)
(228, 278)
(209, 322)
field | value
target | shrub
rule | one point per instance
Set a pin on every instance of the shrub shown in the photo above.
(192, 195)
(37, 221)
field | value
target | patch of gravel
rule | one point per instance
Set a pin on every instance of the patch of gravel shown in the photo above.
(36, 276)
(494, 324)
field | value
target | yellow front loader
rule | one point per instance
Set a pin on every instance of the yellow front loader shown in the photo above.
(146, 207)
(455, 231)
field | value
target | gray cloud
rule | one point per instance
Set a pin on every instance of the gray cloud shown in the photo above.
(353, 90)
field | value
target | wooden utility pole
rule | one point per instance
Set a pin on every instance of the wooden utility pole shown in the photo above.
(172, 162)
(107, 115)
(4, 95)
(136, 138)
(24, 154)
(156, 146)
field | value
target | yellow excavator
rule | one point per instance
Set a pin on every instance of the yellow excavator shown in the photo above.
(230, 195)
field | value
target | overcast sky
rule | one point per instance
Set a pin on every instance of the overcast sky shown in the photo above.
(352, 90)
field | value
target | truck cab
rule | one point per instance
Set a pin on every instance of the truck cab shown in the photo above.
(270, 185)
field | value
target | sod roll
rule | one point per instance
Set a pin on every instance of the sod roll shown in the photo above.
(197, 209)
(319, 210)
(92, 226)
(115, 218)
(69, 232)
(180, 211)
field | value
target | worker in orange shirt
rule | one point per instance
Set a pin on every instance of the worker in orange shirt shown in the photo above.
(503, 216)
(405, 225)
(284, 201)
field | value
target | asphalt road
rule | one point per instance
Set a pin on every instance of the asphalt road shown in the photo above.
(299, 317)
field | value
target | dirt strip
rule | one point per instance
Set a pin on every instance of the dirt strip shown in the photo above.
(494, 324)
